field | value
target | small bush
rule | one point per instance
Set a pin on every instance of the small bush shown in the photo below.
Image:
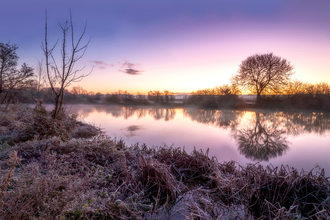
(45, 126)
(84, 130)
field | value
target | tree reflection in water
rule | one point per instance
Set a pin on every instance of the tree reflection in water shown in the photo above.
(162, 113)
(265, 136)
(157, 113)
(227, 119)
(307, 122)
(262, 139)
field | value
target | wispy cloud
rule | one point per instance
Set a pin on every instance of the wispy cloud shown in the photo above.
(100, 64)
(130, 69)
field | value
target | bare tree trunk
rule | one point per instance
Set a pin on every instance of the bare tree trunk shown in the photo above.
(1, 84)
(55, 113)
(258, 99)
(66, 74)
(58, 105)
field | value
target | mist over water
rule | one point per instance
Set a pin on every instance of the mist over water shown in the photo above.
(298, 139)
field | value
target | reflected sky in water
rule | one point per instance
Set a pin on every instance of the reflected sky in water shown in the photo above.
(299, 139)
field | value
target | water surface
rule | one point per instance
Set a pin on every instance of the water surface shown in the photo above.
(298, 139)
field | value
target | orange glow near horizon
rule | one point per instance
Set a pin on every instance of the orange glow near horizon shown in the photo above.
(210, 57)
(182, 80)
(205, 61)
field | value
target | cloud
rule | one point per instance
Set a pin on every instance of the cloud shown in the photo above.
(126, 67)
(100, 64)
(130, 69)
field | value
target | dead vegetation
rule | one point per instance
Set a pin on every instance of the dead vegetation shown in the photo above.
(102, 178)
(18, 123)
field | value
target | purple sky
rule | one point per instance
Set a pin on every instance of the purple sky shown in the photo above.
(178, 45)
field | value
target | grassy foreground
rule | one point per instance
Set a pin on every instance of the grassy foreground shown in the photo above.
(65, 169)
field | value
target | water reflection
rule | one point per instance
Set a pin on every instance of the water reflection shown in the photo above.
(162, 113)
(259, 136)
(227, 119)
(261, 139)
(292, 123)
(308, 122)
(264, 135)
(132, 130)
(158, 113)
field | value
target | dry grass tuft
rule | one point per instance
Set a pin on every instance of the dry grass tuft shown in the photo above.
(194, 168)
(7, 176)
(85, 131)
(13, 119)
(158, 181)
(285, 189)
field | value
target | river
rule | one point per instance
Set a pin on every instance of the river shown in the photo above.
(297, 139)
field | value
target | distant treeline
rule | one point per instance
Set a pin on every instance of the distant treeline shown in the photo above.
(79, 95)
(296, 94)
(216, 97)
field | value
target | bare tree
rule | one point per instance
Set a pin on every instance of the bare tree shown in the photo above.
(168, 96)
(41, 78)
(295, 87)
(155, 96)
(12, 80)
(61, 74)
(78, 90)
(263, 73)
(18, 81)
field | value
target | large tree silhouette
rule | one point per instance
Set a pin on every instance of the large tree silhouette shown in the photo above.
(263, 73)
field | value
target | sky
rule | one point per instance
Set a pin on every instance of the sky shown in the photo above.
(176, 45)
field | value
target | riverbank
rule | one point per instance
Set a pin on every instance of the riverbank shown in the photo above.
(54, 173)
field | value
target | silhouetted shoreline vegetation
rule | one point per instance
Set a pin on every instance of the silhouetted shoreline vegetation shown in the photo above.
(64, 169)
(297, 95)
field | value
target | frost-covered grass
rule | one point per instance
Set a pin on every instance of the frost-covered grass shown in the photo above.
(54, 176)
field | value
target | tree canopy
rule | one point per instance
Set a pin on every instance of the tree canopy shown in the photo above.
(263, 73)
(12, 80)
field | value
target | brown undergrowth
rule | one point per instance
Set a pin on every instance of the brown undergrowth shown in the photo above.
(102, 178)
(18, 123)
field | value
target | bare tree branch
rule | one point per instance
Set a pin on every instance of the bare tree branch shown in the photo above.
(60, 77)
